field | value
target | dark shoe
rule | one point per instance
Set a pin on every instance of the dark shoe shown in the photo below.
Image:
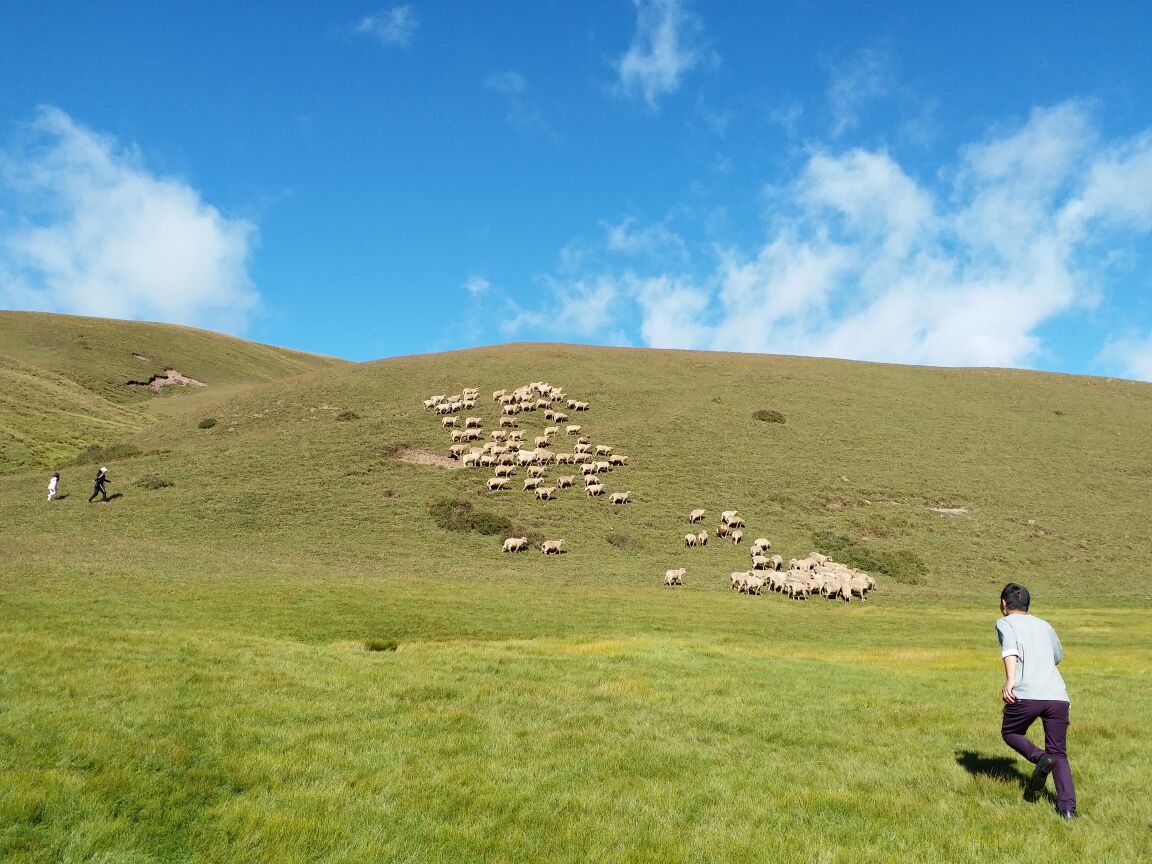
(1067, 815)
(1039, 777)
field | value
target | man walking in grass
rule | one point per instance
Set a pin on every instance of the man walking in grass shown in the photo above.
(98, 489)
(1034, 689)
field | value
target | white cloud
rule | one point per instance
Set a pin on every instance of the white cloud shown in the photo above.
(865, 78)
(394, 26)
(521, 115)
(477, 285)
(89, 230)
(865, 261)
(1131, 353)
(507, 82)
(664, 49)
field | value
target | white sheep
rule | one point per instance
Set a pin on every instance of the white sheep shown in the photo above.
(753, 585)
(497, 395)
(532, 483)
(545, 457)
(507, 423)
(561, 417)
(497, 483)
(674, 577)
(565, 458)
(457, 450)
(572, 430)
(591, 480)
(594, 490)
(603, 450)
(515, 544)
(565, 481)
(759, 562)
(472, 459)
(617, 459)
(696, 516)
(552, 547)
(776, 562)
(763, 543)
(535, 471)
(725, 515)
(702, 538)
(587, 470)
(737, 536)
(545, 493)
(473, 422)
(582, 448)
(505, 471)
(551, 430)
(541, 441)
(621, 497)
(690, 540)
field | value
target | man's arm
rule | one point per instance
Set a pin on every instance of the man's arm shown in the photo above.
(1010, 661)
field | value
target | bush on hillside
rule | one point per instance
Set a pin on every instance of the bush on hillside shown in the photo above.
(769, 416)
(900, 565)
(206, 423)
(96, 453)
(153, 481)
(623, 541)
(381, 644)
(347, 415)
(452, 514)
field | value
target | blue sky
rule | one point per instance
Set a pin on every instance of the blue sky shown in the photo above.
(905, 182)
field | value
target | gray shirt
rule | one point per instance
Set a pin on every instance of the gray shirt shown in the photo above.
(1038, 648)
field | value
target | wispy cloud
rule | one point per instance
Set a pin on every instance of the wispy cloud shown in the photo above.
(89, 230)
(854, 83)
(665, 47)
(521, 114)
(865, 261)
(1130, 353)
(477, 285)
(393, 26)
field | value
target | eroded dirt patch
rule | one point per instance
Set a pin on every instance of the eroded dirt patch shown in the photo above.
(416, 456)
(166, 378)
(949, 511)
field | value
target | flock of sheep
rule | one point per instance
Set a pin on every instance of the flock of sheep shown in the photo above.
(506, 453)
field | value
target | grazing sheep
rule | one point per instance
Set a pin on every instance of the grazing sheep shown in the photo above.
(507, 423)
(565, 482)
(515, 544)
(587, 470)
(505, 471)
(472, 459)
(552, 547)
(583, 439)
(497, 435)
(603, 450)
(532, 483)
(617, 459)
(594, 490)
(541, 441)
(691, 540)
(571, 404)
(572, 430)
(601, 467)
(776, 562)
(545, 457)
(487, 460)
(565, 458)
(448, 421)
(443, 408)
(736, 522)
(582, 448)
(544, 493)
(621, 497)
(674, 577)
(516, 435)
(581, 458)
(737, 579)
(696, 516)
(722, 530)
(580, 406)
(560, 417)
(702, 538)
(591, 480)
(473, 422)
(497, 395)
(525, 457)
(737, 536)
(725, 515)
(759, 562)
(752, 585)
(429, 404)
(497, 483)
(551, 430)
(535, 471)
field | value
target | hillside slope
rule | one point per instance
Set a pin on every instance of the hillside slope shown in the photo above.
(64, 379)
(964, 478)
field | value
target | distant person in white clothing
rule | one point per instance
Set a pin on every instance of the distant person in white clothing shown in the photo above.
(53, 484)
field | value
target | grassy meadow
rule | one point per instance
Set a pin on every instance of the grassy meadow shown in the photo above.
(184, 675)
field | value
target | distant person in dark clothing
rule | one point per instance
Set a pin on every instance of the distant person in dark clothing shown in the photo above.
(53, 485)
(98, 489)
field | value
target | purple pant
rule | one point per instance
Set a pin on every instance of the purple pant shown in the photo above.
(1054, 714)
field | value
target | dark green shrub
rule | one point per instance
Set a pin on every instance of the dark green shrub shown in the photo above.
(207, 423)
(95, 453)
(456, 515)
(152, 481)
(347, 415)
(623, 541)
(381, 644)
(769, 416)
(900, 565)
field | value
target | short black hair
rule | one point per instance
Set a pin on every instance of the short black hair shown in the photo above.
(1016, 597)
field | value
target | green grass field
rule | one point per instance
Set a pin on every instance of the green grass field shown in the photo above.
(184, 677)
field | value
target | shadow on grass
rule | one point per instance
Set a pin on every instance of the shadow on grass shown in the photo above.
(1002, 769)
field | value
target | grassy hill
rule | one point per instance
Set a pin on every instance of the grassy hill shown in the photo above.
(185, 678)
(64, 379)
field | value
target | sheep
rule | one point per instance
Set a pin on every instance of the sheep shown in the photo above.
(736, 522)
(541, 441)
(429, 404)
(542, 403)
(797, 589)
(545, 457)
(469, 404)
(753, 585)
(508, 458)
(561, 417)
(472, 434)
(516, 435)
(473, 422)
(472, 459)
(594, 490)
(457, 450)
(505, 471)
(603, 450)
(532, 483)
(583, 439)
(776, 562)
(487, 460)
(515, 544)
(601, 467)
(525, 457)
(497, 395)
(550, 416)
(535, 471)
(696, 516)
(617, 459)
(702, 538)
(581, 458)
(763, 543)
(737, 536)
(691, 540)
(591, 480)
(510, 410)
(497, 483)
(572, 430)
(552, 547)
(759, 562)
(621, 497)
(544, 493)
(674, 577)
(581, 448)
(587, 470)
(507, 423)
(571, 404)
(443, 408)
(579, 406)
(507, 399)
(456, 406)
(448, 421)
(737, 579)
(565, 481)
(723, 530)
(725, 515)
(565, 458)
